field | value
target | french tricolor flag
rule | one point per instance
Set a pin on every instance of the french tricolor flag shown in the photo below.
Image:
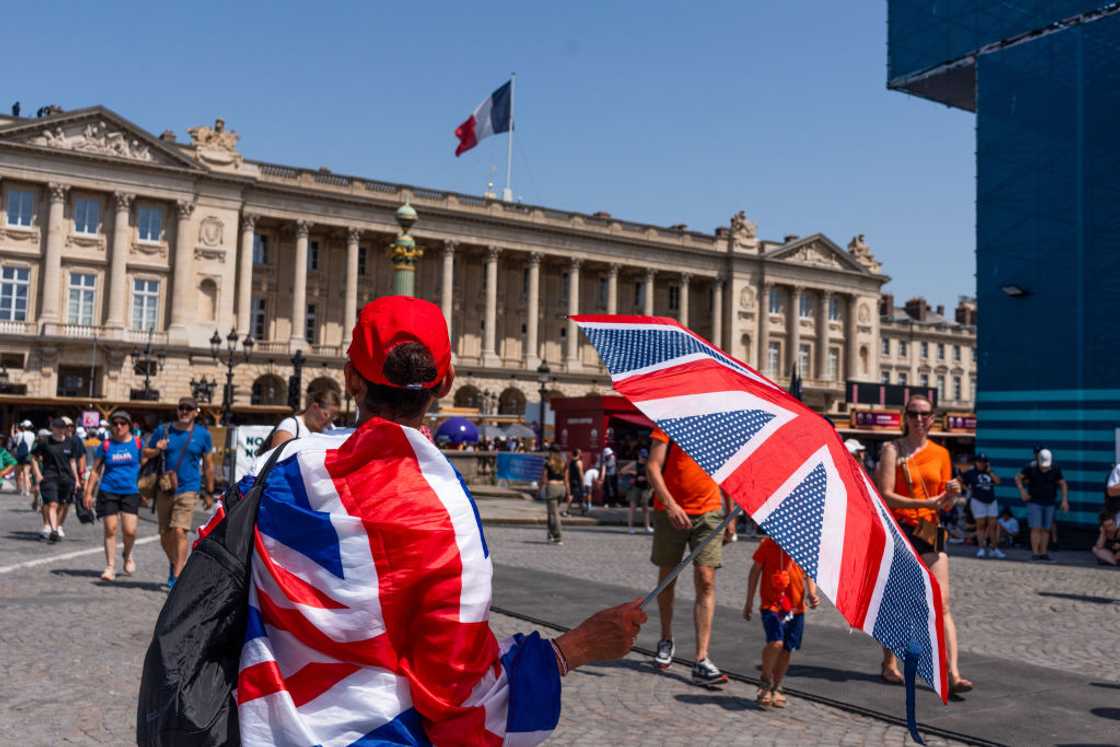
(492, 116)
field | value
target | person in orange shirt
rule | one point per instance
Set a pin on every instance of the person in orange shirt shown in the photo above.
(688, 507)
(915, 479)
(782, 608)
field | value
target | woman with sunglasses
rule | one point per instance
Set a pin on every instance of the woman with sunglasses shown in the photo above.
(322, 408)
(115, 472)
(915, 479)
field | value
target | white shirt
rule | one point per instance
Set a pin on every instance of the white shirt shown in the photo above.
(293, 425)
(589, 477)
(1009, 525)
(1114, 478)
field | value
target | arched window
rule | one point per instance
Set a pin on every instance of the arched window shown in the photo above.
(468, 396)
(511, 402)
(864, 356)
(270, 389)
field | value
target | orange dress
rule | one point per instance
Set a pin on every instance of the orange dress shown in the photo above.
(930, 469)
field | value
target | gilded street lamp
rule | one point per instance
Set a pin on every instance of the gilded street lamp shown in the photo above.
(403, 253)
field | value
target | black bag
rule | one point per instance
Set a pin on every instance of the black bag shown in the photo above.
(85, 516)
(190, 670)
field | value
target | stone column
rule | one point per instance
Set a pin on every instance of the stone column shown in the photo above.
(298, 337)
(717, 314)
(824, 299)
(533, 313)
(647, 297)
(118, 262)
(183, 301)
(612, 288)
(447, 283)
(763, 359)
(682, 313)
(350, 309)
(573, 361)
(52, 264)
(245, 275)
(793, 327)
(852, 334)
(489, 339)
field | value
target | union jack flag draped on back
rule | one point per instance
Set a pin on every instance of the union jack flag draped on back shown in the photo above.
(789, 470)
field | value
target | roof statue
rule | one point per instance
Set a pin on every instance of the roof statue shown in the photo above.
(216, 146)
(744, 233)
(861, 252)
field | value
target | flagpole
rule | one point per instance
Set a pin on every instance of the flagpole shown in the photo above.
(507, 193)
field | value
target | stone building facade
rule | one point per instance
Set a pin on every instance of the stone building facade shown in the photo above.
(110, 236)
(923, 347)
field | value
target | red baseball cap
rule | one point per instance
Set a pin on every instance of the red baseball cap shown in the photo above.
(390, 321)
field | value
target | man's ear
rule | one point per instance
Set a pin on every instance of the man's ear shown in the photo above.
(445, 385)
(355, 385)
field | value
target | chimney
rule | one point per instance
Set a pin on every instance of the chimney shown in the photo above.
(679, 227)
(791, 237)
(167, 136)
(941, 310)
(886, 304)
(601, 214)
(966, 312)
(916, 309)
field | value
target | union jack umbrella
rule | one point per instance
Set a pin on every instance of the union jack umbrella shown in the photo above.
(788, 469)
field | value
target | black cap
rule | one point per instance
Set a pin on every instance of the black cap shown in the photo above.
(188, 402)
(981, 457)
(119, 415)
(58, 423)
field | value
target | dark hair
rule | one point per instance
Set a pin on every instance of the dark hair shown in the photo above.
(324, 397)
(407, 366)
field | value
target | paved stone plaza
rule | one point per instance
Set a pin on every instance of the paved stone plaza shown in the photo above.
(73, 645)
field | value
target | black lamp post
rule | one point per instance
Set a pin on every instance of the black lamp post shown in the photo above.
(203, 389)
(146, 361)
(544, 377)
(295, 383)
(231, 360)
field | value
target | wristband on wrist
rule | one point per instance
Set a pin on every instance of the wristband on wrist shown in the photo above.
(561, 660)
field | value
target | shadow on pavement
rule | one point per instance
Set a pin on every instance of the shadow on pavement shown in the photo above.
(834, 675)
(726, 702)
(25, 536)
(1111, 713)
(126, 584)
(77, 572)
(1089, 598)
(1109, 685)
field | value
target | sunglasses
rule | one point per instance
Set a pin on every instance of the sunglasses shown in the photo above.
(121, 422)
(185, 408)
(915, 414)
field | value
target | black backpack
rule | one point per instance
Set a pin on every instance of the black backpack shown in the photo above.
(190, 670)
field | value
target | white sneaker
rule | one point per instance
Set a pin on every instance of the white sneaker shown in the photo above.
(61, 534)
(998, 553)
(649, 530)
(45, 532)
(981, 553)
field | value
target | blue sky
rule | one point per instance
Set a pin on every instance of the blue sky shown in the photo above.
(654, 111)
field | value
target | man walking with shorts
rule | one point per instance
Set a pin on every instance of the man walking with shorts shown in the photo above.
(55, 467)
(688, 508)
(185, 446)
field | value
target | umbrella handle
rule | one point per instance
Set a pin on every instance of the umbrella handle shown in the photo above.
(732, 515)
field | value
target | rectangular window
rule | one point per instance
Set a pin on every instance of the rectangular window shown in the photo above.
(14, 282)
(956, 352)
(149, 222)
(313, 256)
(145, 304)
(603, 290)
(804, 356)
(361, 260)
(885, 377)
(940, 387)
(834, 309)
(21, 206)
(903, 349)
(638, 294)
(674, 297)
(924, 348)
(773, 358)
(87, 215)
(805, 306)
(886, 346)
(833, 364)
(82, 288)
(940, 351)
(957, 393)
(260, 249)
(565, 287)
(259, 319)
(775, 301)
(903, 378)
(972, 384)
(923, 380)
(311, 324)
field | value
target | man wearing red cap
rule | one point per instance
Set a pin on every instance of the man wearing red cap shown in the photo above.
(371, 578)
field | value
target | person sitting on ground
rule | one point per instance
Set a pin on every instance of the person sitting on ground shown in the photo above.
(322, 408)
(1007, 526)
(782, 611)
(1107, 548)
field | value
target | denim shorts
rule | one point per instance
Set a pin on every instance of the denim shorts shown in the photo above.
(778, 628)
(1040, 517)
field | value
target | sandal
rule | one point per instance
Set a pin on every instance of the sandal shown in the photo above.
(108, 574)
(960, 685)
(777, 699)
(764, 698)
(889, 676)
(129, 566)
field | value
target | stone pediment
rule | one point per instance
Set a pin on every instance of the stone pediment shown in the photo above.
(94, 131)
(816, 251)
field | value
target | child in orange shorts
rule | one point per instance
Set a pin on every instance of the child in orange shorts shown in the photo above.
(782, 610)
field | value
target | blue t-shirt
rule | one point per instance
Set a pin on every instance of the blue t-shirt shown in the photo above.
(980, 486)
(190, 473)
(122, 465)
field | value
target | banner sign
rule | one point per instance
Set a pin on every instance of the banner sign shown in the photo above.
(960, 422)
(90, 419)
(517, 467)
(246, 440)
(886, 420)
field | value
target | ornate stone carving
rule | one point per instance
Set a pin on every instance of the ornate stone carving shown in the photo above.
(535, 258)
(742, 229)
(651, 274)
(185, 209)
(123, 201)
(58, 191)
(150, 248)
(814, 255)
(613, 269)
(211, 231)
(19, 234)
(576, 263)
(861, 252)
(248, 222)
(492, 253)
(353, 235)
(204, 252)
(864, 314)
(97, 138)
(746, 297)
(83, 241)
(216, 145)
(303, 229)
